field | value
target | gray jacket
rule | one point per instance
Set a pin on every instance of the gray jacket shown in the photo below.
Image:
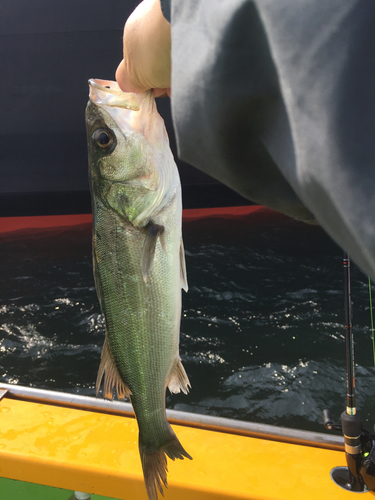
(276, 99)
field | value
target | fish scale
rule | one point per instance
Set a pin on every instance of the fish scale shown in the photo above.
(139, 264)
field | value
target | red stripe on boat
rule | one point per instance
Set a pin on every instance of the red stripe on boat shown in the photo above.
(8, 224)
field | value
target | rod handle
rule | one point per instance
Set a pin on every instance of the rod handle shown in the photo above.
(328, 421)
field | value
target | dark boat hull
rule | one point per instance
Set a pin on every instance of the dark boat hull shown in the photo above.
(48, 51)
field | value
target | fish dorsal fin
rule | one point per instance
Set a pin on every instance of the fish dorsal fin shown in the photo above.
(148, 251)
(112, 378)
(179, 381)
(184, 283)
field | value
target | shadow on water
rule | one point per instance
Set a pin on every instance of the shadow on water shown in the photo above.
(262, 334)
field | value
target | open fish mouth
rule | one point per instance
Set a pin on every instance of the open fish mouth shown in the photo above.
(108, 93)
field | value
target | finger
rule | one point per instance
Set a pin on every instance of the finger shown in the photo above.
(124, 80)
(162, 92)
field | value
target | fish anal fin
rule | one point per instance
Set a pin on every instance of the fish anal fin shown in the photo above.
(154, 463)
(148, 251)
(179, 380)
(112, 378)
(184, 283)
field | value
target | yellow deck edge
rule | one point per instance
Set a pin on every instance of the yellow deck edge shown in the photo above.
(98, 453)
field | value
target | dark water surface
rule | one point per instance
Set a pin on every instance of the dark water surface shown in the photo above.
(262, 334)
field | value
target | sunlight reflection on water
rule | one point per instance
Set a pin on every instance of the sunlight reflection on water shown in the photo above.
(261, 333)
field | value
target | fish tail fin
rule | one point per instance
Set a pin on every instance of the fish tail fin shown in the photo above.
(154, 463)
(112, 378)
(179, 380)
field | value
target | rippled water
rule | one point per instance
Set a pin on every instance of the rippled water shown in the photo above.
(261, 334)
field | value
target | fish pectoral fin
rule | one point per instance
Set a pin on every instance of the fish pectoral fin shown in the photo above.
(112, 378)
(179, 381)
(148, 251)
(184, 283)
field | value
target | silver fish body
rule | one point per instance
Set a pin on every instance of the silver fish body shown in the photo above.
(139, 265)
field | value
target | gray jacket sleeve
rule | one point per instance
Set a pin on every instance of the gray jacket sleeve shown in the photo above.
(276, 98)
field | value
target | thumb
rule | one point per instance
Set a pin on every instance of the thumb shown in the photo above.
(147, 50)
(126, 81)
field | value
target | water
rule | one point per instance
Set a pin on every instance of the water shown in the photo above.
(261, 334)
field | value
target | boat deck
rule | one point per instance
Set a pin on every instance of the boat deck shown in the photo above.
(96, 452)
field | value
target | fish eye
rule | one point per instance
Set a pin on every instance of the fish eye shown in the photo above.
(102, 138)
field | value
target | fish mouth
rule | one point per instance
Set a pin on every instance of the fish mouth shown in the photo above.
(105, 85)
(108, 93)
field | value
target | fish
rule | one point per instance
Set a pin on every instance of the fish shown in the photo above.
(138, 264)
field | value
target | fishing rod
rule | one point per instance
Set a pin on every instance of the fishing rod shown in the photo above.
(359, 443)
(349, 339)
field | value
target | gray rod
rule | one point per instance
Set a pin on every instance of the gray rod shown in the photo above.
(118, 407)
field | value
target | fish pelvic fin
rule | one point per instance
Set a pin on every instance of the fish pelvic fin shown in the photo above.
(154, 463)
(148, 251)
(179, 380)
(112, 378)
(184, 283)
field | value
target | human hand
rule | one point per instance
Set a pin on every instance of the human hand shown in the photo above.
(147, 51)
